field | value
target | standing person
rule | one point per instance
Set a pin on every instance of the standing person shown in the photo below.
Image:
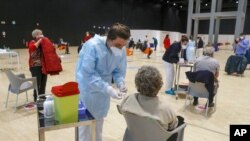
(190, 51)
(155, 42)
(166, 42)
(236, 41)
(35, 62)
(102, 59)
(66, 44)
(200, 45)
(86, 37)
(131, 44)
(242, 46)
(171, 57)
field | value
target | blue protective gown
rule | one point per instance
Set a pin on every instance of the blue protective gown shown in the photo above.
(95, 67)
(190, 51)
(242, 47)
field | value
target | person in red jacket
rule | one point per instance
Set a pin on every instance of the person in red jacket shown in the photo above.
(86, 37)
(35, 62)
(166, 42)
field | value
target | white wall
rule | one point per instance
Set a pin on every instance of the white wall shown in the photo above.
(159, 35)
(174, 36)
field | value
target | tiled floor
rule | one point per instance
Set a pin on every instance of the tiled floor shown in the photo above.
(233, 104)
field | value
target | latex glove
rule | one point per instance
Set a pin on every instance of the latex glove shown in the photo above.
(123, 89)
(113, 93)
(122, 94)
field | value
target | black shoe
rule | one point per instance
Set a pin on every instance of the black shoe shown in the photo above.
(211, 105)
(195, 102)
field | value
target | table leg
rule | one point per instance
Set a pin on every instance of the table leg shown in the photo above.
(177, 80)
(76, 134)
(41, 135)
(93, 130)
(18, 62)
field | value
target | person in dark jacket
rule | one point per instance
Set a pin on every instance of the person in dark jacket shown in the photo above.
(200, 45)
(208, 63)
(236, 63)
(206, 77)
(131, 43)
(155, 42)
(171, 57)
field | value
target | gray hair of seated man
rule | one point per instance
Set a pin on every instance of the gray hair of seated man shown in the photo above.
(148, 81)
(36, 32)
(208, 51)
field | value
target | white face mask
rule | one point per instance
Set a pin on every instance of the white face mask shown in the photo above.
(116, 51)
(183, 46)
(242, 37)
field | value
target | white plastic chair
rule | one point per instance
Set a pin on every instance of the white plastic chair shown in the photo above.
(198, 89)
(147, 129)
(19, 84)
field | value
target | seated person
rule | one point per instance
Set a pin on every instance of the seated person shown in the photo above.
(207, 62)
(65, 44)
(145, 48)
(131, 43)
(146, 103)
(138, 44)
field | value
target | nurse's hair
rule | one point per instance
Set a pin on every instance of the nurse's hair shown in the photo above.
(148, 81)
(118, 30)
(36, 32)
(184, 38)
(208, 51)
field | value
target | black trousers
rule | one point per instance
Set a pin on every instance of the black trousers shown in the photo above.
(67, 49)
(211, 95)
(41, 80)
(210, 98)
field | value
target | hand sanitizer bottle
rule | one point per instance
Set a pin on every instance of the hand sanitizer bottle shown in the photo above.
(48, 107)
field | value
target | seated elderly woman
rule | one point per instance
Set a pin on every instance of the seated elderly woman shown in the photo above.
(146, 103)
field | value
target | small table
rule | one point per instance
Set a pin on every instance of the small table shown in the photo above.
(51, 124)
(179, 89)
(11, 54)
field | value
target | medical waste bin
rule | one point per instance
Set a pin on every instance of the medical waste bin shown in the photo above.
(66, 102)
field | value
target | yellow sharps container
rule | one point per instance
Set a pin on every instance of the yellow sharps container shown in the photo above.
(66, 102)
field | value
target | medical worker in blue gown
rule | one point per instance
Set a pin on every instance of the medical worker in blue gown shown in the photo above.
(101, 59)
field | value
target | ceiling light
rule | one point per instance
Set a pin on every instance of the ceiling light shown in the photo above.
(237, 2)
(181, 6)
(174, 4)
(206, 4)
(167, 1)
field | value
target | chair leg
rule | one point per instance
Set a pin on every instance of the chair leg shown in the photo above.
(37, 98)
(185, 106)
(16, 101)
(7, 99)
(215, 102)
(27, 97)
(207, 107)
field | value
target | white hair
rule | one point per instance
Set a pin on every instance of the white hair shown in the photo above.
(36, 32)
(208, 51)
